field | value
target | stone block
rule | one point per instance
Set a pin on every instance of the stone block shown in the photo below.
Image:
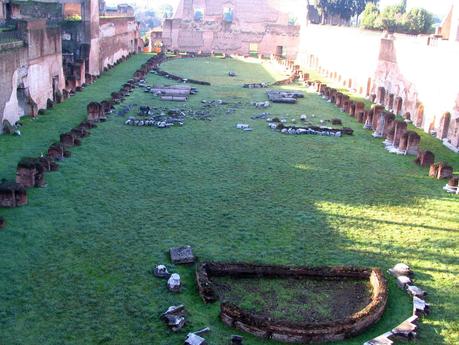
(182, 255)
(12, 194)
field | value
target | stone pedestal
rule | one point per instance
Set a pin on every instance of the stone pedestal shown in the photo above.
(425, 159)
(399, 131)
(30, 173)
(409, 142)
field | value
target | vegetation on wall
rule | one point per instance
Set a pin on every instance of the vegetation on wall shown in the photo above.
(397, 19)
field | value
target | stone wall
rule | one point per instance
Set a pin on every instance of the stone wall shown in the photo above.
(422, 72)
(259, 24)
(118, 38)
(31, 74)
(299, 331)
(10, 72)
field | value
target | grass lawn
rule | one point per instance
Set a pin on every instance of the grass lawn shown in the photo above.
(75, 262)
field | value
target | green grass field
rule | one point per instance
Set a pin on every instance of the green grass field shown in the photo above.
(75, 262)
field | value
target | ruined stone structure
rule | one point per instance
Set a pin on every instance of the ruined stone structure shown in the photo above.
(236, 26)
(53, 48)
(413, 76)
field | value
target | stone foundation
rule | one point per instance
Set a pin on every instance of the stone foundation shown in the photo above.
(288, 331)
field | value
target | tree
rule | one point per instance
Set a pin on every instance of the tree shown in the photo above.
(370, 16)
(345, 9)
(396, 19)
(392, 18)
(417, 21)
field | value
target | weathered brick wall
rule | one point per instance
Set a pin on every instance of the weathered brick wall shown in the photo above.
(118, 38)
(263, 22)
(424, 76)
(10, 62)
(32, 69)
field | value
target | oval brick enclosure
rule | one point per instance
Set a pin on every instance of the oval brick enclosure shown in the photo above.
(294, 332)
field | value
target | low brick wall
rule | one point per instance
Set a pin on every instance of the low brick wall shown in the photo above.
(291, 332)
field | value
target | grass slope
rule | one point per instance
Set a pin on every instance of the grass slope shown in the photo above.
(75, 261)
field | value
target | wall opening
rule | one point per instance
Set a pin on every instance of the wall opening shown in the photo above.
(198, 14)
(280, 50)
(228, 15)
(22, 95)
(72, 11)
(253, 48)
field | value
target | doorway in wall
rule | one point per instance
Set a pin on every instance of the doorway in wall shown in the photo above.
(23, 96)
(280, 50)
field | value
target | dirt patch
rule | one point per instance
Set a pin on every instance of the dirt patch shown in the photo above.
(290, 299)
(294, 304)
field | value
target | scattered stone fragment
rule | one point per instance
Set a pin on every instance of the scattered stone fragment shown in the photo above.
(453, 185)
(259, 105)
(161, 271)
(174, 317)
(420, 307)
(413, 290)
(242, 126)
(174, 284)
(195, 337)
(236, 340)
(336, 122)
(182, 255)
(255, 85)
(231, 74)
(381, 340)
(407, 329)
(261, 116)
(401, 270)
(403, 282)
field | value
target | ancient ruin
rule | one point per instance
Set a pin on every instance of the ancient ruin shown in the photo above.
(299, 331)
(54, 48)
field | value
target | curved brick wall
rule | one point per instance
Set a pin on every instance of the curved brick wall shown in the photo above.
(288, 331)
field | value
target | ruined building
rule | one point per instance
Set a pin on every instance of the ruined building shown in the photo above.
(415, 76)
(49, 49)
(236, 26)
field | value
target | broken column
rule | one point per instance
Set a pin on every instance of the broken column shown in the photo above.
(345, 103)
(94, 111)
(56, 151)
(30, 173)
(368, 121)
(409, 142)
(69, 140)
(377, 110)
(445, 171)
(400, 128)
(12, 194)
(425, 159)
(339, 99)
